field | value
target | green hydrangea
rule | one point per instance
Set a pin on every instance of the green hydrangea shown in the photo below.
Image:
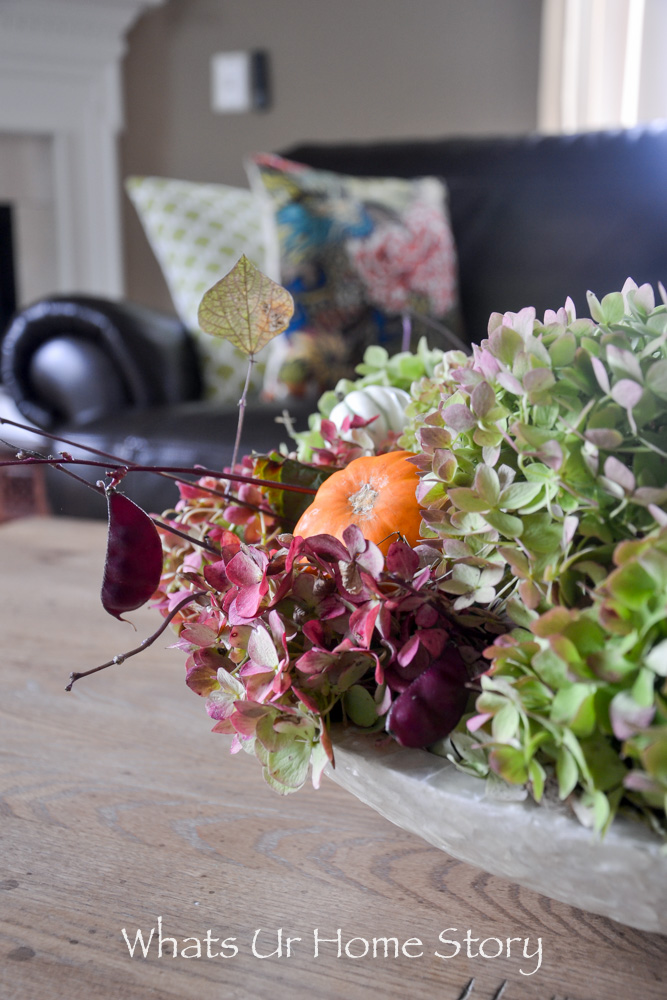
(578, 701)
(545, 450)
(402, 371)
(545, 481)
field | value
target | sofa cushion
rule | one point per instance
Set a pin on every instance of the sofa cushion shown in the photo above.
(198, 232)
(536, 218)
(357, 254)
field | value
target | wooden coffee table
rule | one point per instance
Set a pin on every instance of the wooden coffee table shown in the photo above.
(119, 809)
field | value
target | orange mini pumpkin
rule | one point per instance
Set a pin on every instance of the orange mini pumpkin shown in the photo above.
(377, 494)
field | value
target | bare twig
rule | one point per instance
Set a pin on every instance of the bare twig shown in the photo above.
(118, 466)
(119, 463)
(121, 657)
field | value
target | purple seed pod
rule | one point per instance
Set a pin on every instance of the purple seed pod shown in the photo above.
(133, 563)
(430, 707)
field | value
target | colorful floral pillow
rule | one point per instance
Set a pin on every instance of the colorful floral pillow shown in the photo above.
(368, 260)
(198, 232)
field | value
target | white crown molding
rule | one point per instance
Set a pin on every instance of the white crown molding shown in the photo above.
(100, 23)
(60, 77)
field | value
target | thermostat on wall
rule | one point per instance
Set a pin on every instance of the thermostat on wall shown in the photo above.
(239, 82)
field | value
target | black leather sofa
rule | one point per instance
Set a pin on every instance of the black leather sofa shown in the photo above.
(535, 219)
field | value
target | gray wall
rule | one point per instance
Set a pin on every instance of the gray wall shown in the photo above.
(341, 69)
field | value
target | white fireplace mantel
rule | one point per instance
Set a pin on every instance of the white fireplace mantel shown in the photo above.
(60, 77)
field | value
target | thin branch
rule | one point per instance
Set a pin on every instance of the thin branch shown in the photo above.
(183, 534)
(236, 500)
(29, 456)
(79, 479)
(144, 645)
(407, 331)
(458, 344)
(116, 467)
(167, 471)
(56, 437)
(25, 453)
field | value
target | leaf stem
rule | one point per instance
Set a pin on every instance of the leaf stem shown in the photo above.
(242, 405)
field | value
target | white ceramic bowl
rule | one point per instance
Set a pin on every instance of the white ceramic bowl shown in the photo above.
(622, 876)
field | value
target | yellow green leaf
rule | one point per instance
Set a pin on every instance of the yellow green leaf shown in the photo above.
(246, 308)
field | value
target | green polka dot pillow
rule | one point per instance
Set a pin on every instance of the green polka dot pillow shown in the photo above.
(197, 233)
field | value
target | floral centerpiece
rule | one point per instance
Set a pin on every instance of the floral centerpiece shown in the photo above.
(463, 552)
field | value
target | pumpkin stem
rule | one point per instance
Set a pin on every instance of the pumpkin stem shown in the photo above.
(363, 501)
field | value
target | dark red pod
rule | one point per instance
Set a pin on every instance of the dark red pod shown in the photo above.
(133, 563)
(432, 704)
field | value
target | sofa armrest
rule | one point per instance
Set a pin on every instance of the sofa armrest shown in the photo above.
(77, 358)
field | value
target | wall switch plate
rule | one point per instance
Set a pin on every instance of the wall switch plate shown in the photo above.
(230, 82)
(239, 82)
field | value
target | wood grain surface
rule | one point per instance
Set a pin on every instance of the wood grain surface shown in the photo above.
(119, 808)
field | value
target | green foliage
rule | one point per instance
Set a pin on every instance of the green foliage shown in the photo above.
(580, 696)
(544, 450)
(545, 479)
(401, 371)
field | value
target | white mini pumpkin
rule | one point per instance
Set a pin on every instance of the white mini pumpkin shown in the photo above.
(384, 402)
